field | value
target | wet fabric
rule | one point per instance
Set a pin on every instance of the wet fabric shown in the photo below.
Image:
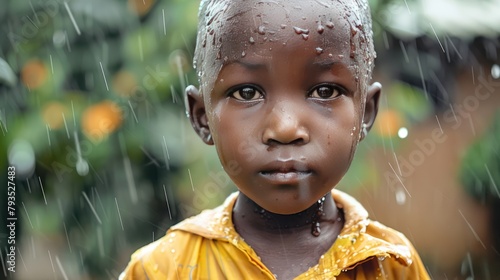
(207, 246)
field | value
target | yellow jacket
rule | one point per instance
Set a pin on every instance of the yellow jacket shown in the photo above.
(207, 246)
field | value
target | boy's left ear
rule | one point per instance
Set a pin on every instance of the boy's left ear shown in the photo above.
(371, 108)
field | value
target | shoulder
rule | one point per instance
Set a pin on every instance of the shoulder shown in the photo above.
(374, 246)
(162, 258)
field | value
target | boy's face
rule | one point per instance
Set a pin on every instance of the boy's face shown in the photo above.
(282, 99)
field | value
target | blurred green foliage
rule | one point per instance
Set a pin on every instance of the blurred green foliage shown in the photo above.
(94, 89)
(480, 165)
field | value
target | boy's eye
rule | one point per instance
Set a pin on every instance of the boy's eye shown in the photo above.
(325, 92)
(246, 94)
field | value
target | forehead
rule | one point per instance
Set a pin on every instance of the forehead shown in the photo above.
(252, 24)
(234, 29)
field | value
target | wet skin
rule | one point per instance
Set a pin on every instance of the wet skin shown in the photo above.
(284, 113)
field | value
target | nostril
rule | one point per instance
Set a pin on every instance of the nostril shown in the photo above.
(274, 142)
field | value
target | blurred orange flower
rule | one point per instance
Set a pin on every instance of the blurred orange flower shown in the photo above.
(34, 74)
(101, 119)
(388, 123)
(140, 7)
(52, 114)
(124, 83)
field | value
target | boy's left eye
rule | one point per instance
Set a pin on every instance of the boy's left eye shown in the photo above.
(325, 92)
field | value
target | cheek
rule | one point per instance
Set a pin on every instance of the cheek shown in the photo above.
(231, 133)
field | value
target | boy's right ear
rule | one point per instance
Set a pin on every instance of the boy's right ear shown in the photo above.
(195, 108)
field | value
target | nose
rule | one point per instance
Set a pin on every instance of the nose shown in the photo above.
(284, 126)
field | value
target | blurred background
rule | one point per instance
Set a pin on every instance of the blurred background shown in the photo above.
(92, 117)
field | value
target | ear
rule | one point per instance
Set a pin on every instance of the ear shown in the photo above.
(371, 108)
(195, 109)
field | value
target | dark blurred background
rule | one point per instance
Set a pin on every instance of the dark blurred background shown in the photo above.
(92, 118)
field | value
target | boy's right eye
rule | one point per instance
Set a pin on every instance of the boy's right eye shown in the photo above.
(246, 93)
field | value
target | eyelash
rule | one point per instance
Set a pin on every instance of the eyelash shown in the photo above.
(336, 92)
(335, 89)
(238, 90)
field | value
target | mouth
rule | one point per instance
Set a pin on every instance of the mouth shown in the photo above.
(285, 172)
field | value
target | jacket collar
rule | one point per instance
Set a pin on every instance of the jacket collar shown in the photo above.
(360, 239)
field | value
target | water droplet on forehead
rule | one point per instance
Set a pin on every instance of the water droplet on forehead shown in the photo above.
(261, 30)
(251, 40)
(319, 50)
(243, 54)
(283, 26)
(320, 29)
(305, 37)
(299, 30)
(329, 24)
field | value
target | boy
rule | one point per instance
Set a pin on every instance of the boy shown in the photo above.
(284, 97)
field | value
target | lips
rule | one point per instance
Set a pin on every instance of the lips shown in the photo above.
(285, 172)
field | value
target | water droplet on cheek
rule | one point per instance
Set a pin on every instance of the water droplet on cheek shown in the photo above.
(283, 26)
(243, 54)
(319, 50)
(251, 40)
(329, 24)
(305, 37)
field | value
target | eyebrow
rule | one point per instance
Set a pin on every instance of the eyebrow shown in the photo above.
(326, 64)
(248, 65)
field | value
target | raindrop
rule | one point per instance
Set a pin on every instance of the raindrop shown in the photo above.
(299, 30)
(59, 38)
(251, 40)
(22, 156)
(495, 71)
(319, 50)
(82, 167)
(261, 30)
(341, 56)
(283, 26)
(403, 132)
(243, 54)
(400, 196)
(329, 24)
(305, 37)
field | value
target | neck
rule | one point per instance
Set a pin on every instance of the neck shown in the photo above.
(250, 217)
